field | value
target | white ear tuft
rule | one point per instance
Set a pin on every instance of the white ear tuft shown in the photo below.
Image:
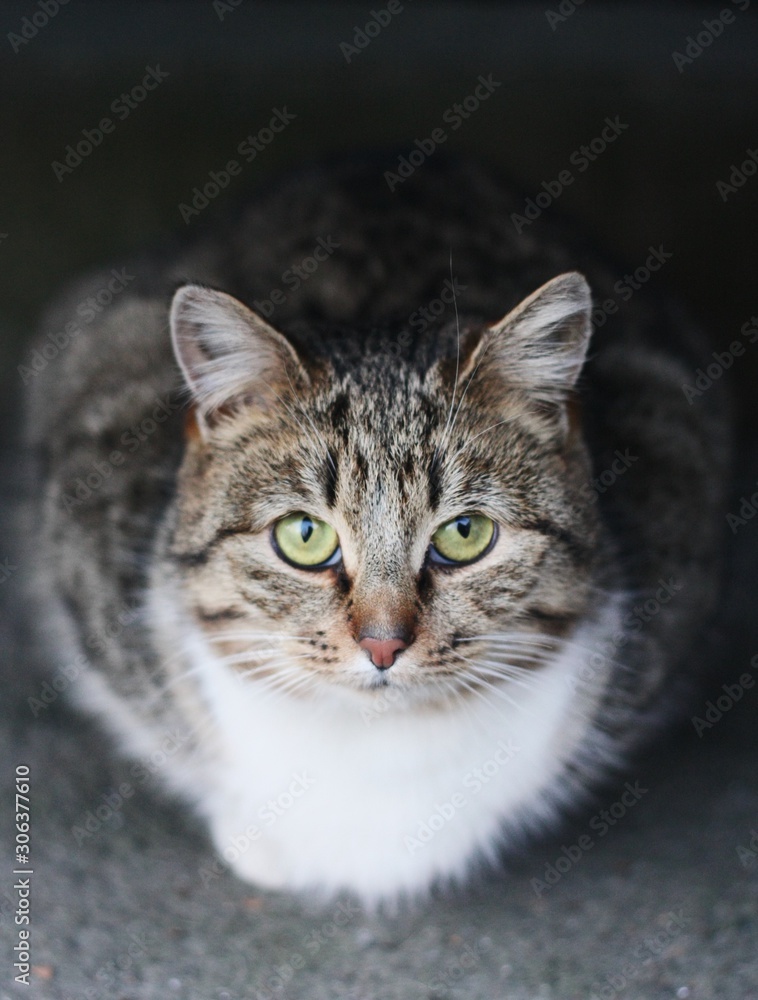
(226, 352)
(540, 346)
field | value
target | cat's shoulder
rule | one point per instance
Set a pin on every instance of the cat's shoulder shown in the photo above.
(101, 352)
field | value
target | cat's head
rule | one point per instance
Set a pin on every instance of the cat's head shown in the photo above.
(363, 519)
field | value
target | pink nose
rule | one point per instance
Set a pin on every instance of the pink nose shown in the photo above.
(382, 651)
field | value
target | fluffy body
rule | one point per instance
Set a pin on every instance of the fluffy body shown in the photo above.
(354, 401)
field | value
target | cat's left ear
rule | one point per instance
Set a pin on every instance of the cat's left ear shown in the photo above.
(541, 345)
(229, 356)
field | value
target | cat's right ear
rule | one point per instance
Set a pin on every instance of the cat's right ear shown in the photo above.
(229, 356)
(540, 346)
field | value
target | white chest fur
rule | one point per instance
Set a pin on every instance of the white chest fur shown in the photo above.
(331, 792)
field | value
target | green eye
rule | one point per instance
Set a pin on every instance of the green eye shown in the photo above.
(463, 539)
(306, 541)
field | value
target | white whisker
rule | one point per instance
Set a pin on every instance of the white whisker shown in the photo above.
(480, 670)
(250, 636)
(499, 692)
(234, 658)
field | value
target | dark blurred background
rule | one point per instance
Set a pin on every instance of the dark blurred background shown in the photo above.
(228, 66)
(563, 68)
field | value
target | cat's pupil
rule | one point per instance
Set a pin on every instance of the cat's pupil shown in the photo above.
(306, 529)
(464, 526)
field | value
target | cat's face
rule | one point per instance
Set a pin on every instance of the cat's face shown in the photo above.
(379, 522)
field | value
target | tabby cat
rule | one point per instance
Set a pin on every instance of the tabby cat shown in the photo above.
(409, 560)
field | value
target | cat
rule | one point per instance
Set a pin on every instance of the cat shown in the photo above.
(412, 558)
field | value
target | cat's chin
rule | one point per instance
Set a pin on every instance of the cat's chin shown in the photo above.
(403, 686)
(385, 695)
(385, 692)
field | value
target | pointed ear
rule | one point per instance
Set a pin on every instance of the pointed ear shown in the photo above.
(540, 346)
(229, 356)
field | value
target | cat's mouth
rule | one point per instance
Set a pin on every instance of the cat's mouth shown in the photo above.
(379, 681)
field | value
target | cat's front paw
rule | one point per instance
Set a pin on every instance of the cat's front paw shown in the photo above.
(249, 854)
